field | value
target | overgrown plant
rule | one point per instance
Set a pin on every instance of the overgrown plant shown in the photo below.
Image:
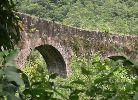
(96, 79)
(91, 79)
(9, 27)
(116, 16)
(10, 77)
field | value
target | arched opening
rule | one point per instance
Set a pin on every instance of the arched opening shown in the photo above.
(54, 60)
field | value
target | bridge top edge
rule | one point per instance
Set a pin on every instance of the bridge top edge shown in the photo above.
(81, 29)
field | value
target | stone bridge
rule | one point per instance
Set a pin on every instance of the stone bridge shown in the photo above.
(57, 43)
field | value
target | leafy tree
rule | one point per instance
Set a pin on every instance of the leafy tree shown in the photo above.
(91, 79)
(119, 16)
(10, 79)
(9, 28)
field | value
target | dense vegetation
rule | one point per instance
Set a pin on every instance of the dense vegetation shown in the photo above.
(117, 16)
(91, 79)
(10, 79)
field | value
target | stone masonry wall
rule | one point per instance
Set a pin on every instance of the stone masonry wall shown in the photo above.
(66, 40)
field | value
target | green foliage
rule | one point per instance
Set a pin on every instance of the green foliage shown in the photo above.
(10, 79)
(40, 84)
(35, 65)
(91, 79)
(119, 16)
(104, 79)
(9, 28)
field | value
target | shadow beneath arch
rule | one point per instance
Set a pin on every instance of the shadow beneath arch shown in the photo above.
(54, 60)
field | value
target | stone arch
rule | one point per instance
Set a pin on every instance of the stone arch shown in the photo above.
(61, 56)
(53, 58)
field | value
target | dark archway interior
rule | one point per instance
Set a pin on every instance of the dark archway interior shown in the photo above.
(54, 60)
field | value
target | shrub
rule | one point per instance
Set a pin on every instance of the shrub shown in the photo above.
(91, 79)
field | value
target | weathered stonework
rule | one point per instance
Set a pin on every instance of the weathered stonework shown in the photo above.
(57, 42)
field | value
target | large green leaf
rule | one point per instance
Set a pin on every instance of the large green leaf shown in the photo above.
(10, 68)
(9, 88)
(13, 76)
(1, 73)
(10, 63)
(4, 53)
(1, 88)
(12, 97)
(10, 58)
(135, 96)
